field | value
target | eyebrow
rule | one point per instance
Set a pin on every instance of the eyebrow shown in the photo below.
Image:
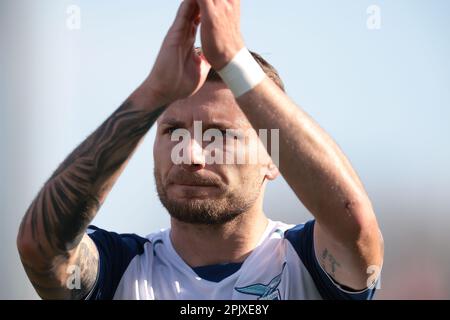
(218, 125)
(221, 125)
(172, 122)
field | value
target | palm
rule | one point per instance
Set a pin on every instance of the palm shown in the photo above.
(179, 72)
(194, 74)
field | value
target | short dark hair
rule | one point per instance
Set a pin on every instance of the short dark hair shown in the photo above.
(270, 71)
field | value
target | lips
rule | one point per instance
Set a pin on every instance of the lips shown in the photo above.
(194, 184)
(193, 180)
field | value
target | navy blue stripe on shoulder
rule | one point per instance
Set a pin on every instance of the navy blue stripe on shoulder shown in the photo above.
(116, 252)
(302, 239)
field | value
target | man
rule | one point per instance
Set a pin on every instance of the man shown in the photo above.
(220, 244)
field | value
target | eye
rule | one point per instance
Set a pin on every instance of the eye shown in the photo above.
(229, 134)
(232, 134)
(170, 130)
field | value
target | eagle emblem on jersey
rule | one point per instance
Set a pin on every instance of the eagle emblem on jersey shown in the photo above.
(263, 291)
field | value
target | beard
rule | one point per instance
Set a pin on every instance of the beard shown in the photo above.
(217, 210)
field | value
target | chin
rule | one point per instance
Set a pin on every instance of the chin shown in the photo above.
(187, 194)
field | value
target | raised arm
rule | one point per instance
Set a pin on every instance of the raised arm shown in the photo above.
(347, 240)
(52, 241)
(346, 235)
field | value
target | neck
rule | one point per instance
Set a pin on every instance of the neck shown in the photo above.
(202, 245)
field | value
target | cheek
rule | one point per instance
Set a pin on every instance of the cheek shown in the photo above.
(248, 151)
(162, 149)
(161, 156)
(244, 176)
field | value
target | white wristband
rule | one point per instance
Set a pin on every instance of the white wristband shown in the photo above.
(242, 73)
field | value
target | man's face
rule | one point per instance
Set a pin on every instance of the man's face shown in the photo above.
(217, 181)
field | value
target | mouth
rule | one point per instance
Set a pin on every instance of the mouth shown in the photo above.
(194, 190)
(196, 185)
(184, 183)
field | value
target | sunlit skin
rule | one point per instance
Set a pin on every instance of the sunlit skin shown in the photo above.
(216, 108)
(216, 209)
(199, 182)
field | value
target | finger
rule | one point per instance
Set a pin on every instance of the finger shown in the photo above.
(187, 11)
(201, 62)
(197, 19)
(194, 30)
(193, 25)
(206, 6)
(204, 66)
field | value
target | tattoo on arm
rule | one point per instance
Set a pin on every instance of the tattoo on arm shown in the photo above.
(58, 217)
(329, 263)
(87, 262)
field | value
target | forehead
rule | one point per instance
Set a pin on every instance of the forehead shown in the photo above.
(213, 103)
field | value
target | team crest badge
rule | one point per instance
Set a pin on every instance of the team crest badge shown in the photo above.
(264, 291)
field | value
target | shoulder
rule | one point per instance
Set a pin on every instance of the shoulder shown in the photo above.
(301, 238)
(128, 243)
(116, 251)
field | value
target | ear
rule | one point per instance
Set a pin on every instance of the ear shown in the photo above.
(272, 171)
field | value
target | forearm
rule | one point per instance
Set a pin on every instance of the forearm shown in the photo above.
(58, 217)
(322, 177)
(346, 229)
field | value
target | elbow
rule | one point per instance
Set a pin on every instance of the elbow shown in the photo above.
(360, 223)
(27, 246)
(364, 232)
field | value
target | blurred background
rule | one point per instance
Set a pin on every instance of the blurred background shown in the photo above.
(375, 74)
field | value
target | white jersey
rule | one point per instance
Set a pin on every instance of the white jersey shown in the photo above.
(282, 266)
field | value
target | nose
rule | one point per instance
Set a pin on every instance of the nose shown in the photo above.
(196, 157)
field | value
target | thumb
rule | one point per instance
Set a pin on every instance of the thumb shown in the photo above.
(201, 59)
(205, 67)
